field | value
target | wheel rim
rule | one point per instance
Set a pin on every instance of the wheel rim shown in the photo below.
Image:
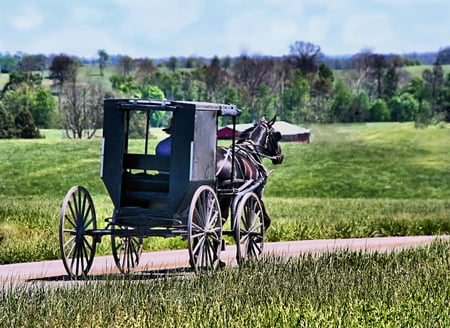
(77, 219)
(204, 230)
(249, 228)
(126, 250)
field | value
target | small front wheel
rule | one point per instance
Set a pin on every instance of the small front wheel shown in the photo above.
(249, 228)
(127, 250)
(204, 229)
(77, 221)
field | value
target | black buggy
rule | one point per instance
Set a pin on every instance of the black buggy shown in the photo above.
(155, 195)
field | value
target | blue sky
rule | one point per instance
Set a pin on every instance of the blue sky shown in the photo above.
(162, 28)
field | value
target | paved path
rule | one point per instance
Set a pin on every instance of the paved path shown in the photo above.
(164, 260)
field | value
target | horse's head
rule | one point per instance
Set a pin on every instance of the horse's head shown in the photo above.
(265, 139)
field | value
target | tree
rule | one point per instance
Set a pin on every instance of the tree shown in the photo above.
(125, 65)
(145, 68)
(404, 107)
(377, 67)
(103, 60)
(62, 69)
(295, 96)
(305, 56)
(443, 57)
(216, 79)
(341, 103)
(257, 78)
(390, 82)
(172, 64)
(7, 63)
(321, 89)
(7, 128)
(83, 108)
(43, 107)
(359, 107)
(25, 127)
(30, 63)
(37, 99)
(18, 78)
(379, 111)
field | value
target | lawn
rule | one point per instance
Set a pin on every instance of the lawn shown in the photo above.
(357, 180)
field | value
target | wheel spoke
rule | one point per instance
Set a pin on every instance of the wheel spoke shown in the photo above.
(204, 229)
(77, 248)
(249, 233)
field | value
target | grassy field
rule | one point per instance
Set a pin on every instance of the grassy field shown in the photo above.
(352, 181)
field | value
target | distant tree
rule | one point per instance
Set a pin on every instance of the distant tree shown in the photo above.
(404, 107)
(226, 62)
(378, 65)
(145, 67)
(7, 63)
(7, 128)
(30, 63)
(216, 80)
(257, 78)
(305, 56)
(172, 64)
(170, 83)
(390, 81)
(25, 127)
(362, 63)
(43, 107)
(379, 111)
(295, 96)
(125, 65)
(443, 56)
(341, 104)
(102, 60)
(321, 88)
(18, 78)
(62, 70)
(83, 105)
(359, 107)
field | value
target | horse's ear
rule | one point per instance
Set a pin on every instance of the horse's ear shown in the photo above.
(272, 121)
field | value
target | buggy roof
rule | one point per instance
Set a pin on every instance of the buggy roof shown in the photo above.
(169, 105)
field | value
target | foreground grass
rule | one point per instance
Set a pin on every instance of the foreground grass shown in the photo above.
(345, 289)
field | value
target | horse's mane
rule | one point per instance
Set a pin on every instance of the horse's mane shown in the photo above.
(244, 135)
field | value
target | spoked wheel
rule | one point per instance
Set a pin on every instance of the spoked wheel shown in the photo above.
(249, 228)
(77, 219)
(204, 230)
(126, 250)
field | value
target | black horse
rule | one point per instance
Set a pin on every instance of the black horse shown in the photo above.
(258, 142)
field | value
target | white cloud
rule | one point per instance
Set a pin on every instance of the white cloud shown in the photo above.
(205, 28)
(26, 18)
(367, 30)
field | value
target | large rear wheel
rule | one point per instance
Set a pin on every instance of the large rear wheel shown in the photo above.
(204, 230)
(249, 228)
(77, 221)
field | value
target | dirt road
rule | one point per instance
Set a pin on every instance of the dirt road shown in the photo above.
(54, 270)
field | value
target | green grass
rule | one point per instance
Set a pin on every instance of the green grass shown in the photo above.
(343, 289)
(366, 161)
(361, 180)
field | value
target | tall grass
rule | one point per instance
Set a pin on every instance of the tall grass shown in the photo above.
(345, 289)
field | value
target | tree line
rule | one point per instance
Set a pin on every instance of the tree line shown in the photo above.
(302, 87)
